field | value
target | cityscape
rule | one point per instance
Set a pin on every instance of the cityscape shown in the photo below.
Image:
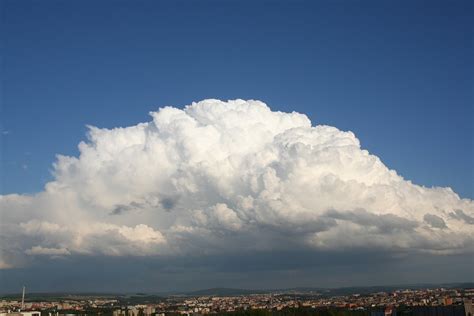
(236, 158)
(422, 301)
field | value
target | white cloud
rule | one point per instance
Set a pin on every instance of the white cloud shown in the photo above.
(229, 176)
(219, 216)
(4, 265)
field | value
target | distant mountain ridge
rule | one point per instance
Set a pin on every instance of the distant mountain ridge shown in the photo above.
(324, 291)
(223, 291)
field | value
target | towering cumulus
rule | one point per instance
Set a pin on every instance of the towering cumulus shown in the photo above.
(228, 177)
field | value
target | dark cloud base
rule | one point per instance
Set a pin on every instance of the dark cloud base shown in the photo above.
(252, 271)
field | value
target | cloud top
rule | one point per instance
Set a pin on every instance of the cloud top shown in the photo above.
(228, 177)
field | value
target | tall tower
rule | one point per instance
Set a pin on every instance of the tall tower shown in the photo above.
(23, 299)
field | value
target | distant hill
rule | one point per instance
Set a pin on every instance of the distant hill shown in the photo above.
(154, 297)
(391, 288)
(324, 291)
(221, 291)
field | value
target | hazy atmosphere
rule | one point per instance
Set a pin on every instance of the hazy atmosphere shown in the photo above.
(177, 145)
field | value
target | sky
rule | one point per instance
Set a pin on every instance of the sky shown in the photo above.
(397, 75)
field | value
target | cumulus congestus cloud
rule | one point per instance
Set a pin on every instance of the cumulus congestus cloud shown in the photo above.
(228, 177)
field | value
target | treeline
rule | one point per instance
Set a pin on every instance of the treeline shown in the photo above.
(301, 311)
(451, 310)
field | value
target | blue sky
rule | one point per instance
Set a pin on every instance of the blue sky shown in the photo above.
(397, 74)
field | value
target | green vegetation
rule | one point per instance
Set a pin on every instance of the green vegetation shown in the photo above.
(301, 311)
